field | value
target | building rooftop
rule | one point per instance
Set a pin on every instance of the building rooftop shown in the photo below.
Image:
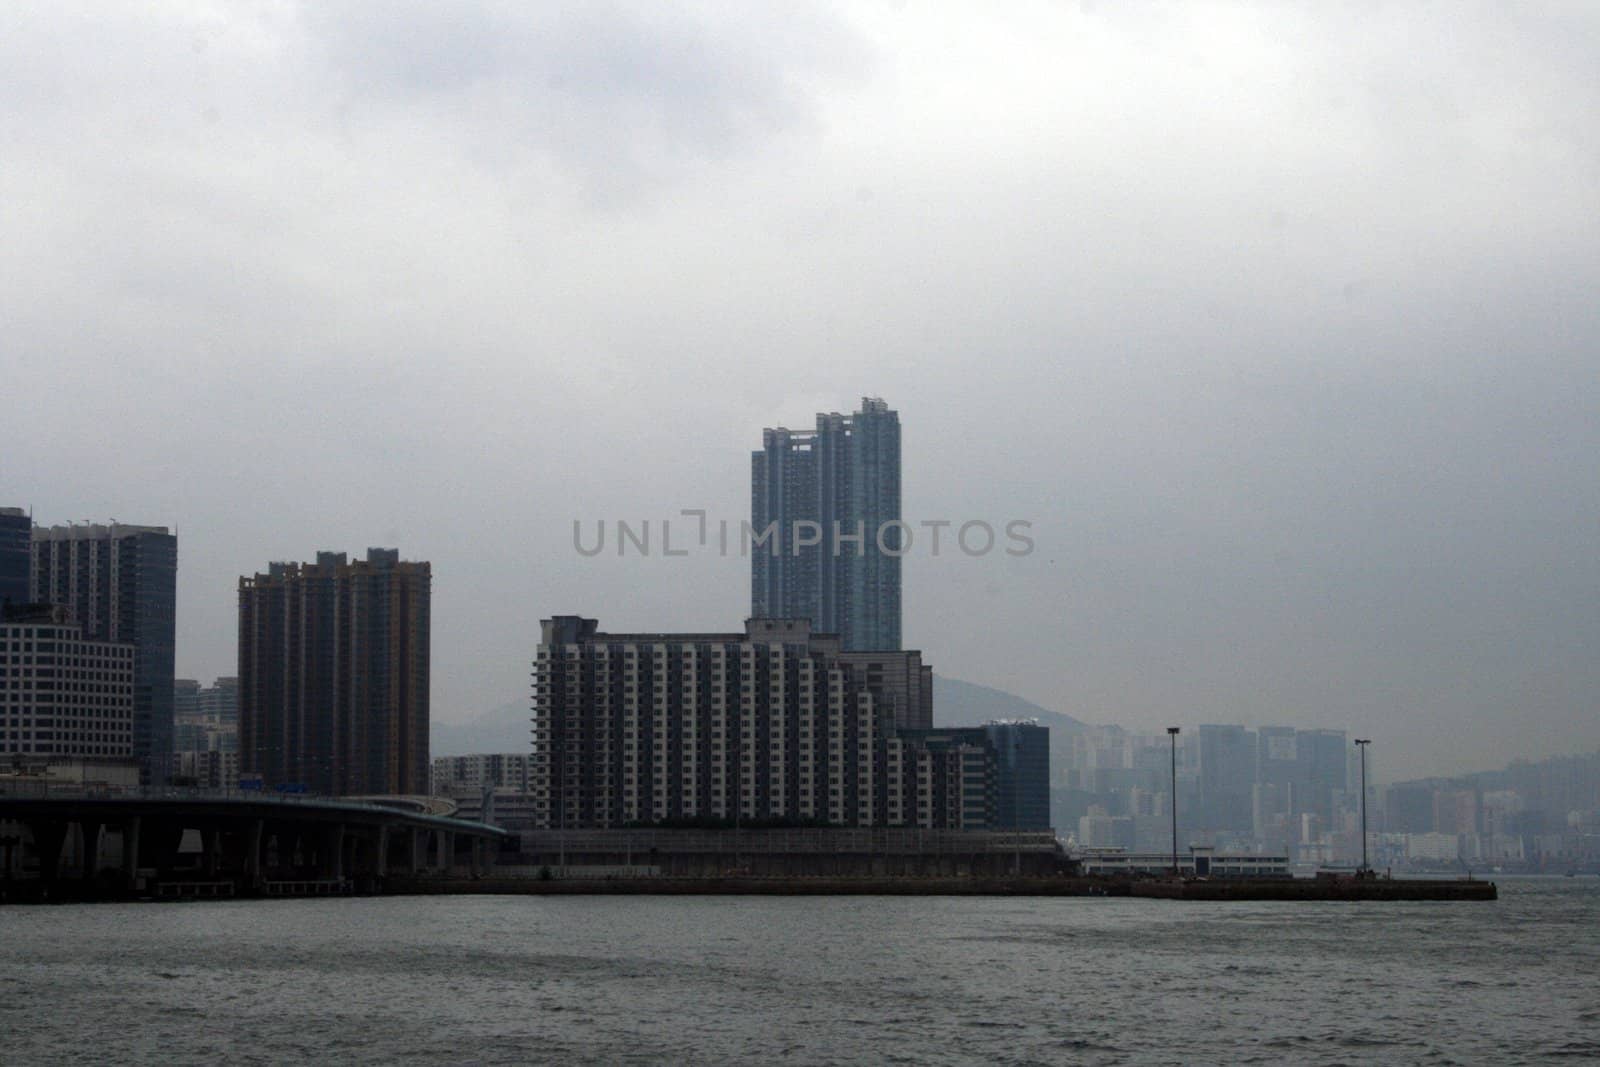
(93, 531)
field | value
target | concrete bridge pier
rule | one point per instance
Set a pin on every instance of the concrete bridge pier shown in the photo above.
(48, 837)
(333, 866)
(161, 840)
(210, 850)
(383, 851)
(252, 854)
(89, 861)
(130, 853)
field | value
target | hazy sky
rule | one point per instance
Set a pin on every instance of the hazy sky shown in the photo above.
(1280, 323)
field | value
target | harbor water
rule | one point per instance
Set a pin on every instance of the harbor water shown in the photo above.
(485, 979)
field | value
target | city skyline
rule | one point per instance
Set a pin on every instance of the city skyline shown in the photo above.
(89, 529)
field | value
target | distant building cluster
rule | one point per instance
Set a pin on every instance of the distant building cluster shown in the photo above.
(1274, 790)
(206, 734)
(331, 694)
(1537, 817)
(1284, 791)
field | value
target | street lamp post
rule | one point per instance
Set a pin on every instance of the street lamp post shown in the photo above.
(1361, 745)
(1172, 732)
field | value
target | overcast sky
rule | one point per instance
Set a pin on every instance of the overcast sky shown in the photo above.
(1280, 323)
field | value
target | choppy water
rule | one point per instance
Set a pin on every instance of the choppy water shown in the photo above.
(805, 980)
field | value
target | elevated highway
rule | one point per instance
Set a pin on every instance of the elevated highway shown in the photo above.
(64, 841)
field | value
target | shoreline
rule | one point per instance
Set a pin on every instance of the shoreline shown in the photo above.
(1215, 890)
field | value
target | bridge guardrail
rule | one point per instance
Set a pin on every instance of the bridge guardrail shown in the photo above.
(27, 788)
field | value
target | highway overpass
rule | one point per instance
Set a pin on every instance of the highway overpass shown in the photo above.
(64, 841)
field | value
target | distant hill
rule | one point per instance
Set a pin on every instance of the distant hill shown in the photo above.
(506, 728)
(958, 703)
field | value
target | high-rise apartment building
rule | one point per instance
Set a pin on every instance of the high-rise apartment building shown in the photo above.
(825, 510)
(16, 555)
(333, 674)
(120, 584)
(774, 724)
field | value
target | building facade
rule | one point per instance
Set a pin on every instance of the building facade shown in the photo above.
(120, 584)
(825, 508)
(467, 775)
(772, 726)
(62, 694)
(1022, 774)
(333, 682)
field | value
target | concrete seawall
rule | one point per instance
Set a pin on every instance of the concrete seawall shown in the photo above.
(1319, 889)
(1240, 890)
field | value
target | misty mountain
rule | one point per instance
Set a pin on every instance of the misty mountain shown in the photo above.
(958, 703)
(505, 728)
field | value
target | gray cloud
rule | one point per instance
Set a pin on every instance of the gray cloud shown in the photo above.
(1278, 322)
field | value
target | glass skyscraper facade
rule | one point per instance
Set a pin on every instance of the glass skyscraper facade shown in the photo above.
(825, 510)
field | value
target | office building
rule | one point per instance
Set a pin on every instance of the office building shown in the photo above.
(774, 725)
(334, 675)
(1022, 774)
(16, 556)
(63, 694)
(120, 584)
(827, 503)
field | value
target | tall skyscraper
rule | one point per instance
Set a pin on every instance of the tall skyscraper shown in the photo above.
(333, 674)
(831, 501)
(120, 583)
(16, 536)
